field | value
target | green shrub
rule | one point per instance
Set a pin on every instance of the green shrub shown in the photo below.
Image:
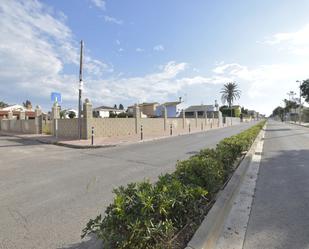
(204, 172)
(147, 216)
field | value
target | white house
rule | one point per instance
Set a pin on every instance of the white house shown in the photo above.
(15, 108)
(104, 111)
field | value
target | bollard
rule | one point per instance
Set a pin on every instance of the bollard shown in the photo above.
(142, 135)
(189, 128)
(201, 126)
(211, 125)
(171, 130)
(92, 135)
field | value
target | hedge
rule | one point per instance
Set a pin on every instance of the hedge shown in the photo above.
(147, 216)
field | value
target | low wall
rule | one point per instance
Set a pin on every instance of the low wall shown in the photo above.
(108, 127)
(67, 128)
(19, 126)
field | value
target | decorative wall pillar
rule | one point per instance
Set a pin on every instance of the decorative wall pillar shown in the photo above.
(137, 117)
(183, 118)
(22, 115)
(164, 114)
(38, 120)
(10, 114)
(87, 118)
(220, 120)
(55, 115)
(196, 118)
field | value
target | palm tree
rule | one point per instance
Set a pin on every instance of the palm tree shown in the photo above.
(230, 93)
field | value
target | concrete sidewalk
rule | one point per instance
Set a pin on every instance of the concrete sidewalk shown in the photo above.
(301, 124)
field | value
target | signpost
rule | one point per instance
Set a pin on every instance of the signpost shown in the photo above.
(56, 97)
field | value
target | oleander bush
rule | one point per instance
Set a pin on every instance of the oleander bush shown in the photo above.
(205, 172)
(149, 215)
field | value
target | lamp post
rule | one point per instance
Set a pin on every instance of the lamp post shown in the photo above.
(80, 88)
(298, 81)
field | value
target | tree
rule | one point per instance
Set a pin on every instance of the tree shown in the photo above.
(230, 93)
(304, 89)
(27, 104)
(72, 114)
(290, 105)
(3, 104)
(121, 107)
(279, 111)
(62, 114)
(244, 111)
(227, 112)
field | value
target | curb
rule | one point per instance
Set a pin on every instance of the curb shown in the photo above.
(74, 146)
(306, 126)
(209, 231)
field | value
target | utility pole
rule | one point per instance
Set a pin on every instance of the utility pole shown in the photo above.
(80, 88)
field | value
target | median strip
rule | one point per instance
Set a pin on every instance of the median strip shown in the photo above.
(167, 213)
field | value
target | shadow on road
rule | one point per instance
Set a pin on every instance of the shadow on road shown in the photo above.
(13, 141)
(279, 216)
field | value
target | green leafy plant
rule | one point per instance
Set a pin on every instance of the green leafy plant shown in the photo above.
(149, 216)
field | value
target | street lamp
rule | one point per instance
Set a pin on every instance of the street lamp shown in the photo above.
(299, 82)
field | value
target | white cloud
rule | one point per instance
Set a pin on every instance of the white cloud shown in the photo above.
(295, 42)
(118, 42)
(139, 50)
(99, 3)
(159, 47)
(34, 49)
(114, 20)
(265, 86)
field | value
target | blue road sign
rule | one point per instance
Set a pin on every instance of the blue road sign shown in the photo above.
(56, 97)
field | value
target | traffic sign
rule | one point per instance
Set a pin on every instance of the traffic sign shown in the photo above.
(56, 97)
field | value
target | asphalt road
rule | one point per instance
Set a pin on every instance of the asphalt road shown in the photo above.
(48, 193)
(279, 217)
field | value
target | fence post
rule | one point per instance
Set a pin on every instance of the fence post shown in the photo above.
(92, 135)
(142, 133)
(196, 117)
(205, 116)
(189, 127)
(171, 129)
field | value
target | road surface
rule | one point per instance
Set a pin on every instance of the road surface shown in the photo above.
(279, 217)
(48, 193)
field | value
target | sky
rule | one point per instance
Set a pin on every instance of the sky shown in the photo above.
(153, 51)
